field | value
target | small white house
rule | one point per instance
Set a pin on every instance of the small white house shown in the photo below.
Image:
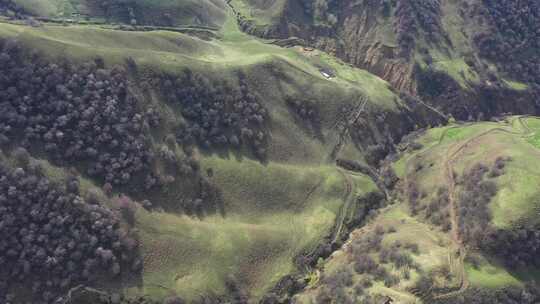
(327, 74)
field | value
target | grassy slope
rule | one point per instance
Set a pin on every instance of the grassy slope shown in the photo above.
(261, 12)
(516, 201)
(433, 253)
(222, 58)
(269, 215)
(269, 219)
(451, 58)
(171, 51)
(491, 275)
(47, 8)
(182, 12)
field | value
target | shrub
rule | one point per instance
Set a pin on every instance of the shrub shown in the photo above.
(21, 156)
(364, 264)
(391, 280)
(174, 300)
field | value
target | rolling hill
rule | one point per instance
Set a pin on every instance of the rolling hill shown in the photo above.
(273, 210)
(448, 239)
(276, 151)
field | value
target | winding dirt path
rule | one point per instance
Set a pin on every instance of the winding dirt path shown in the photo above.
(342, 214)
(458, 251)
(346, 123)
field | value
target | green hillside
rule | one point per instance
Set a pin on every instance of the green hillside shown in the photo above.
(274, 210)
(448, 261)
(269, 151)
(160, 13)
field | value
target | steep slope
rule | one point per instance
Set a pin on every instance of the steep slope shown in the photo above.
(454, 55)
(215, 217)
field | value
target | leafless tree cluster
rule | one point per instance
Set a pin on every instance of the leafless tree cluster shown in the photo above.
(218, 115)
(75, 114)
(52, 239)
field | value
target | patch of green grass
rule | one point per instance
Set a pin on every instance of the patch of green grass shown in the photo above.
(261, 12)
(160, 49)
(272, 213)
(453, 133)
(464, 132)
(46, 8)
(431, 151)
(253, 187)
(517, 200)
(516, 85)
(453, 64)
(430, 139)
(458, 70)
(534, 125)
(490, 276)
(433, 251)
(400, 166)
(177, 12)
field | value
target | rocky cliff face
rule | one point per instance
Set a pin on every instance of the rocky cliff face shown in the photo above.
(381, 60)
(367, 40)
(362, 34)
